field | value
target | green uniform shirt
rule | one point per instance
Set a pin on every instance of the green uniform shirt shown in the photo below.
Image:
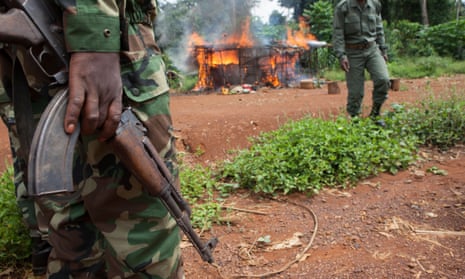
(119, 26)
(354, 24)
(95, 25)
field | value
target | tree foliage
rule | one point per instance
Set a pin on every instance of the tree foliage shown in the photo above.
(439, 11)
(412, 39)
(206, 17)
(448, 39)
(319, 17)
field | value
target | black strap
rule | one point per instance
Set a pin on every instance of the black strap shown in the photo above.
(23, 110)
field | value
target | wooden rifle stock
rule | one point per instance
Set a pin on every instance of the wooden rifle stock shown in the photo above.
(139, 156)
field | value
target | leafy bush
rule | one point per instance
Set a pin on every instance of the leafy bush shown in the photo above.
(320, 17)
(407, 38)
(436, 123)
(448, 39)
(413, 67)
(310, 154)
(15, 243)
(413, 39)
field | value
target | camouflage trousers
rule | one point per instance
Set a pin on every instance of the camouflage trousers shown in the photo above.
(111, 227)
(26, 204)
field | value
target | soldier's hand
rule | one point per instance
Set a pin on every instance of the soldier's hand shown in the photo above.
(345, 64)
(95, 94)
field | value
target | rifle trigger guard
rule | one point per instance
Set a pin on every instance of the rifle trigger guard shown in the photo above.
(52, 151)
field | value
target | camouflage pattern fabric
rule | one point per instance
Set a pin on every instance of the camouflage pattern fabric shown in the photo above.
(26, 204)
(111, 224)
(111, 227)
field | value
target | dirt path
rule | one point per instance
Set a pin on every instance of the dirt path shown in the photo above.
(411, 225)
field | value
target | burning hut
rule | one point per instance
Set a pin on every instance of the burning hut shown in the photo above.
(223, 65)
(238, 59)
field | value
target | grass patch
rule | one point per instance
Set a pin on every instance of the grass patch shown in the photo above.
(198, 188)
(15, 243)
(432, 66)
(413, 67)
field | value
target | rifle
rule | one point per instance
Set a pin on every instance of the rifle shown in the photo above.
(50, 172)
(37, 25)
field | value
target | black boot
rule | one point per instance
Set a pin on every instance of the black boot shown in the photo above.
(40, 251)
(375, 110)
(375, 113)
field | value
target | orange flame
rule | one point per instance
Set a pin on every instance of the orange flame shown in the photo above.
(280, 64)
(196, 40)
(225, 57)
(300, 37)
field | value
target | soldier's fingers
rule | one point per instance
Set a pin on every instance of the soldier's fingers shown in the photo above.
(112, 120)
(344, 64)
(90, 114)
(76, 97)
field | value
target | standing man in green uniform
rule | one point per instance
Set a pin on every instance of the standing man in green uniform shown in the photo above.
(358, 40)
(110, 227)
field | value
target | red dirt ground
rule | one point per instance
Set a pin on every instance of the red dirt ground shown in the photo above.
(408, 225)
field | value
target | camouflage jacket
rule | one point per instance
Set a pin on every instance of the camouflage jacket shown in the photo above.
(354, 25)
(97, 25)
(123, 26)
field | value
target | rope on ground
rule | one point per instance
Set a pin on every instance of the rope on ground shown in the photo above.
(298, 257)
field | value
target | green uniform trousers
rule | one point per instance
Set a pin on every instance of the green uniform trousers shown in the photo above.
(371, 60)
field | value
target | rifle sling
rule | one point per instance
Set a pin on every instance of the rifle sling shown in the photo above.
(22, 109)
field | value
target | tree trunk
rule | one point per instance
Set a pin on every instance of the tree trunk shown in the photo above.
(424, 12)
(459, 5)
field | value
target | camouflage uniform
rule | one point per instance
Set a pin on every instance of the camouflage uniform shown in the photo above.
(110, 227)
(359, 36)
(28, 208)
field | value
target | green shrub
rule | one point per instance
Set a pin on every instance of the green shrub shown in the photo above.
(320, 18)
(413, 67)
(411, 39)
(189, 82)
(448, 39)
(407, 38)
(15, 243)
(436, 122)
(198, 187)
(307, 155)
(310, 154)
